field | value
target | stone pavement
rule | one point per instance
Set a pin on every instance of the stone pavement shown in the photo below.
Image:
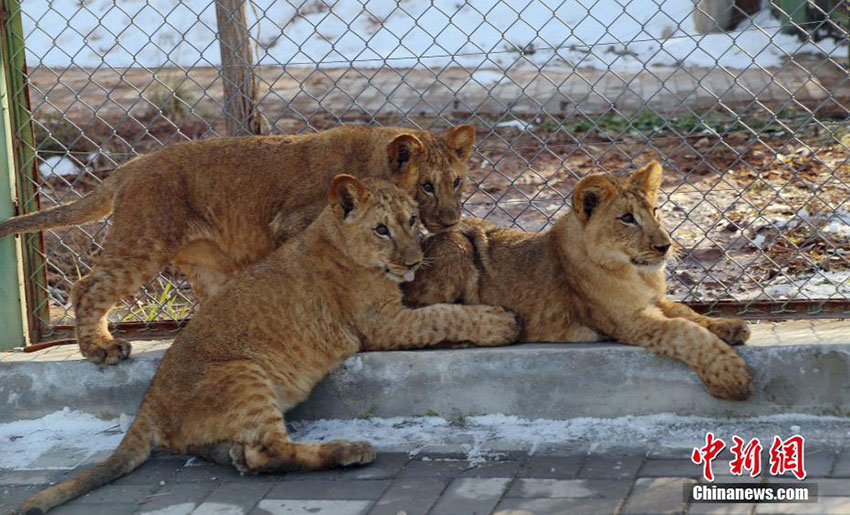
(515, 483)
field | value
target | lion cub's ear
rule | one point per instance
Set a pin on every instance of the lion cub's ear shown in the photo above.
(460, 139)
(345, 195)
(403, 151)
(590, 192)
(648, 179)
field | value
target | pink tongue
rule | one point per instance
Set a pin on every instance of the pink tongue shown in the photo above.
(409, 275)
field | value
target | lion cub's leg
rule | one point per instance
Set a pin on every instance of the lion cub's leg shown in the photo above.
(723, 372)
(411, 328)
(118, 272)
(206, 267)
(733, 331)
(246, 426)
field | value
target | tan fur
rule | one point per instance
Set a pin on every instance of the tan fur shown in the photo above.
(277, 328)
(590, 276)
(215, 206)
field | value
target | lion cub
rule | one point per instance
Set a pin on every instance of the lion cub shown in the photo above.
(215, 206)
(258, 348)
(599, 272)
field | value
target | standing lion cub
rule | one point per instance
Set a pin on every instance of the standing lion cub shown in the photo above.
(259, 347)
(599, 272)
(215, 206)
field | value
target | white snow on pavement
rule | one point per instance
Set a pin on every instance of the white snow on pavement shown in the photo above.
(60, 440)
(64, 439)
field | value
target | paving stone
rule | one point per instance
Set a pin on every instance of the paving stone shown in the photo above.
(413, 496)
(818, 463)
(670, 468)
(237, 497)
(841, 468)
(12, 496)
(29, 477)
(492, 469)
(657, 495)
(831, 487)
(153, 471)
(174, 499)
(717, 508)
(355, 489)
(517, 506)
(386, 466)
(456, 468)
(471, 496)
(552, 467)
(610, 466)
(94, 509)
(310, 507)
(204, 471)
(569, 488)
(825, 505)
(117, 494)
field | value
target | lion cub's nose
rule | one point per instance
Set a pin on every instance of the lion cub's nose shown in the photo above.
(662, 249)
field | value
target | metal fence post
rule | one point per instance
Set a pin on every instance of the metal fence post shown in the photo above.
(23, 159)
(13, 328)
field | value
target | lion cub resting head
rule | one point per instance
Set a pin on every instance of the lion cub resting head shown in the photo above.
(276, 329)
(599, 272)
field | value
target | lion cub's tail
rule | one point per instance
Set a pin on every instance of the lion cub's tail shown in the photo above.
(96, 204)
(133, 450)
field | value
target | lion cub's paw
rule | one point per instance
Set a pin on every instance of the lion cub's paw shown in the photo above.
(107, 352)
(727, 377)
(498, 326)
(347, 453)
(733, 331)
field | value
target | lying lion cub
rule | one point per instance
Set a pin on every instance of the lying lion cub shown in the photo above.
(599, 272)
(276, 329)
(215, 206)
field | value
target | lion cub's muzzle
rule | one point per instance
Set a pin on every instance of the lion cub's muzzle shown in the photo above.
(403, 268)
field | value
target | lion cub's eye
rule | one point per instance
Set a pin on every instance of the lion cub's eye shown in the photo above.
(428, 187)
(412, 221)
(457, 182)
(655, 212)
(628, 218)
(382, 230)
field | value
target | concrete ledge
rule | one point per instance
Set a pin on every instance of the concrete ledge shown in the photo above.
(553, 381)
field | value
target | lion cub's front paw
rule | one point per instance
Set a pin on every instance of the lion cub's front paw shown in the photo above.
(727, 377)
(733, 331)
(106, 352)
(498, 326)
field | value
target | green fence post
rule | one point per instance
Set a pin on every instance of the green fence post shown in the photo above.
(13, 327)
(23, 157)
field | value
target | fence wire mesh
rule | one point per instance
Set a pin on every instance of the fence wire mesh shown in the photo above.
(744, 102)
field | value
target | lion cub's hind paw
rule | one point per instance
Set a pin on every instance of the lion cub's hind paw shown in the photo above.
(107, 353)
(346, 454)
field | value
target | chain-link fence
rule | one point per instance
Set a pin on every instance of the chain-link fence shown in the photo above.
(745, 103)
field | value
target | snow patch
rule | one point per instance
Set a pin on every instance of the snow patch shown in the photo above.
(515, 124)
(623, 36)
(78, 436)
(58, 165)
(45, 443)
